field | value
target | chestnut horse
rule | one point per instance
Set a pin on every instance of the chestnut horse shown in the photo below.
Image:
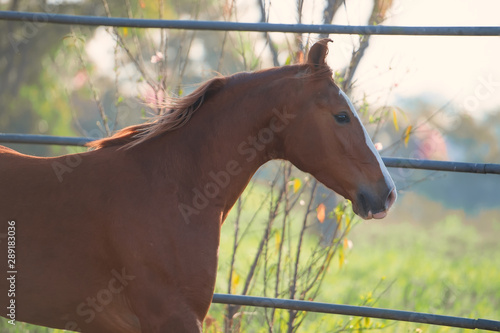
(125, 237)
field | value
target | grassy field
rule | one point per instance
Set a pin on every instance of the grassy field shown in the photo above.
(447, 269)
(450, 267)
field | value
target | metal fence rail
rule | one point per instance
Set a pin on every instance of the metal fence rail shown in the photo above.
(392, 162)
(410, 163)
(44, 139)
(361, 311)
(242, 26)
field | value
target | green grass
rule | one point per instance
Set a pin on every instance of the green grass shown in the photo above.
(450, 268)
(446, 269)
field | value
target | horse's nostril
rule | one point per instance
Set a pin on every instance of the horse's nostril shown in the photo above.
(391, 198)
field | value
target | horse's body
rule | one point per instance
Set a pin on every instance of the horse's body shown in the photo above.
(124, 238)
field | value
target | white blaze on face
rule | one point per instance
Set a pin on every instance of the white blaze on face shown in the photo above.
(369, 143)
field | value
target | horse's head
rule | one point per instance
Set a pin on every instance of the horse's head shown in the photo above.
(328, 140)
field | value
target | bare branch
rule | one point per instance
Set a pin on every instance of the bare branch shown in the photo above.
(95, 94)
(328, 14)
(265, 18)
(377, 16)
(138, 64)
(293, 285)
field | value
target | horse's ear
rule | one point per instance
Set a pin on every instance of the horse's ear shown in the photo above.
(318, 52)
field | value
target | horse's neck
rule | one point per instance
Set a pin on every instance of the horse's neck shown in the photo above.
(224, 145)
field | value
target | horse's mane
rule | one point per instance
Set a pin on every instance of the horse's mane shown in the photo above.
(180, 110)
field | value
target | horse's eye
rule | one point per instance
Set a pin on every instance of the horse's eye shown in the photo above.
(342, 118)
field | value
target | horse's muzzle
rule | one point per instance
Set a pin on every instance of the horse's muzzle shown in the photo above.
(371, 207)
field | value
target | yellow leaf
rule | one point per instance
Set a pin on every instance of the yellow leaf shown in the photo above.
(296, 185)
(395, 120)
(235, 282)
(277, 237)
(339, 213)
(407, 135)
(320, 213)
(341, 258)
(329, 256)
(125, 32)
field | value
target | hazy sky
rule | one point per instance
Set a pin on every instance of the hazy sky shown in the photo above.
(465, 70)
